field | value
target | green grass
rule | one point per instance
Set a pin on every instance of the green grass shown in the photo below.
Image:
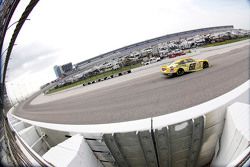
(94, 78)
(226, 42)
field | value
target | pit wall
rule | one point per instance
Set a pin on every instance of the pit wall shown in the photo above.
(189, 137)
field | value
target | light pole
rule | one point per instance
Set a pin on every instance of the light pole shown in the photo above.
(21, 91)
(16, 89)
(14, 94)
(26, 92)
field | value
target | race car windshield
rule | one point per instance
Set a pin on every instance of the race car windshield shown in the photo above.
(173, 63)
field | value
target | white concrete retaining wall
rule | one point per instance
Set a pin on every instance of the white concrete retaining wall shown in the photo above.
(53, 148)
(73, 152)
(236, 134)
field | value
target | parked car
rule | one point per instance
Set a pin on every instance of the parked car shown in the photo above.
(175, 53)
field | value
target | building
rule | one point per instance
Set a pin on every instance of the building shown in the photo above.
(67, 68)
(63, 69)
(57, 71)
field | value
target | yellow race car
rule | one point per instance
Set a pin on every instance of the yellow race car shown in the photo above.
(183, 65)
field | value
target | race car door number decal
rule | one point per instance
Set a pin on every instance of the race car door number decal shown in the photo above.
(192, 66)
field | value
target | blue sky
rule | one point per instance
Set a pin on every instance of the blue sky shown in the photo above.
(62, 31)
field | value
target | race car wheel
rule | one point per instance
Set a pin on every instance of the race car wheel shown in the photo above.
(205, 65)
(180, 72)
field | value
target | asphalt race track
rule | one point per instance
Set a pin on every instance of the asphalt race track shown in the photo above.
(145, 96)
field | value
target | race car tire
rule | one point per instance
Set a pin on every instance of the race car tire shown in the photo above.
(180, 72)
(205, 65)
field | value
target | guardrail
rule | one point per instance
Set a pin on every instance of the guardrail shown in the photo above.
(187, 137)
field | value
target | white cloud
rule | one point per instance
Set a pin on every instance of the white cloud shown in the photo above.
(78, 30)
